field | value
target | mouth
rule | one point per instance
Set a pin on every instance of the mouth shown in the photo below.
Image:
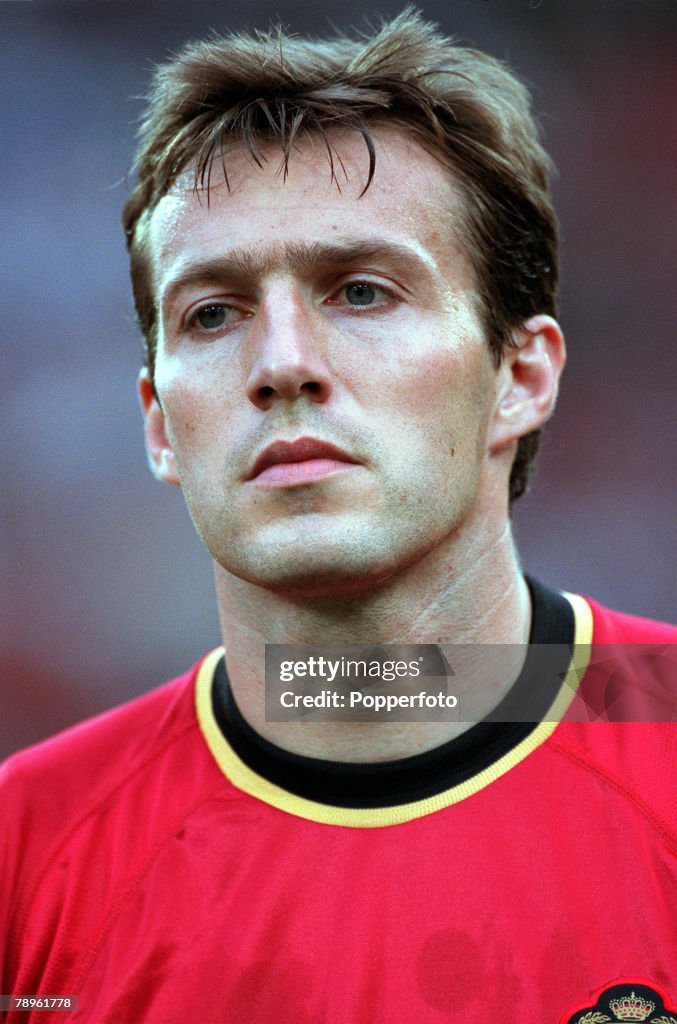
(286, 463)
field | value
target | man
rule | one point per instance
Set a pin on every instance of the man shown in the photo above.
(344, 265)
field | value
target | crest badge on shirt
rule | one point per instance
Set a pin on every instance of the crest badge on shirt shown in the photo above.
(626, 999)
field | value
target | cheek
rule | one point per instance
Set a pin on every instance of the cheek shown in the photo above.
(181, 416)
(196, 400)
(444, 389)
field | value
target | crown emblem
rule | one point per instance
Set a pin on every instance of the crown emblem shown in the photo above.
(631, 1007)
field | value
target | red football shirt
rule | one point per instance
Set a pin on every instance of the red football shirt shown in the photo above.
(166, 866)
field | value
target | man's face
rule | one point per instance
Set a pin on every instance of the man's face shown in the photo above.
(291, 310)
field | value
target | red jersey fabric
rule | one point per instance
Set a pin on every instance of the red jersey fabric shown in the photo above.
(147, 870)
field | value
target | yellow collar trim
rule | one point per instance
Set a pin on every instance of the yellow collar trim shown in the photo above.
(247, 780)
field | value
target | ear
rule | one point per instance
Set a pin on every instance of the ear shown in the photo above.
(158, 446)
(528, 380)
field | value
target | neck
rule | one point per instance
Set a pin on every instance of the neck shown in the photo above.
(479, 598)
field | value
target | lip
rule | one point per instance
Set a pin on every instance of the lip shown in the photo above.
(299, 461)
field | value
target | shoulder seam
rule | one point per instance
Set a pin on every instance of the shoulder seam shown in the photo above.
(118, 905)
(32, 885)
(657, 823)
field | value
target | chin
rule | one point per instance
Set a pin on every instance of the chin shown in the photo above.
(339, 564)
(302, 570)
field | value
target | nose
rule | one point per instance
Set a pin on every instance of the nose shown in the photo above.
(289, 357)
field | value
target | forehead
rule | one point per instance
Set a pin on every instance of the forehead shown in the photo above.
(412, 201)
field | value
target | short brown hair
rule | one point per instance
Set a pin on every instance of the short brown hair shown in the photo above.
(461, 105)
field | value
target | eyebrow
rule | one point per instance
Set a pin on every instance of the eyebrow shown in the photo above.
(243, 265)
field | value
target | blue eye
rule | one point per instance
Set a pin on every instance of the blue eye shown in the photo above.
(361, 293)
(211, 317)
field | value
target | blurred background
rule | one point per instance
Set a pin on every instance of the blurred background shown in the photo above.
(105, 590)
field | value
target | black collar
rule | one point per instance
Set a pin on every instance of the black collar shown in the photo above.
(386, 784)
